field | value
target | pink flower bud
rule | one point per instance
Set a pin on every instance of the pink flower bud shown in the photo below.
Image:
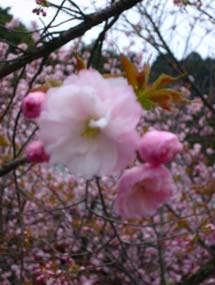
(157, 147)
(32, 104)
(35, 152)
(142, 190)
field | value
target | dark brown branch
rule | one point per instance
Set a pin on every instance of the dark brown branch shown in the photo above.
(97, 47)
(91, 21)
(12, 165)
(124, 252)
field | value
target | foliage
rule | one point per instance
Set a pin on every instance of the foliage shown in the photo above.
(19, 35)
(201, 69)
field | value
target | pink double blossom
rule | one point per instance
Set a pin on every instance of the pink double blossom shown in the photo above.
(89, 124)
(142, 190)
(157, 147)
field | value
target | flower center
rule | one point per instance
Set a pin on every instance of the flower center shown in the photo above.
(93, 127)
(90, 131)
(139, 187)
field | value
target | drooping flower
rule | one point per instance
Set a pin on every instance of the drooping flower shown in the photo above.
(35, 152)
(89, 124)
(32, 104)
(142, 190)
(159, 147)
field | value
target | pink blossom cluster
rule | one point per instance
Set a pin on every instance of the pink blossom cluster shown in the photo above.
(85, 127)
(146, 187)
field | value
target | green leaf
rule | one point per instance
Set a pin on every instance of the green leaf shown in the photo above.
(146, 103)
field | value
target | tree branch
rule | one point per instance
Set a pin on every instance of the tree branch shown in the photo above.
(91, 21)
(12, 165)
(180, 67)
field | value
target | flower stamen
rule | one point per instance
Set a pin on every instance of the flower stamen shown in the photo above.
(90, 131)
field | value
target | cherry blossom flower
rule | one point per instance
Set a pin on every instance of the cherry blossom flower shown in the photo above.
(89, 124)
(159, 147)
(142, 190)
(32, 104)
(13, 24)
(35, 152)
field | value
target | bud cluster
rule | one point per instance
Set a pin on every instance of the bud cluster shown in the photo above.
(40, 10)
